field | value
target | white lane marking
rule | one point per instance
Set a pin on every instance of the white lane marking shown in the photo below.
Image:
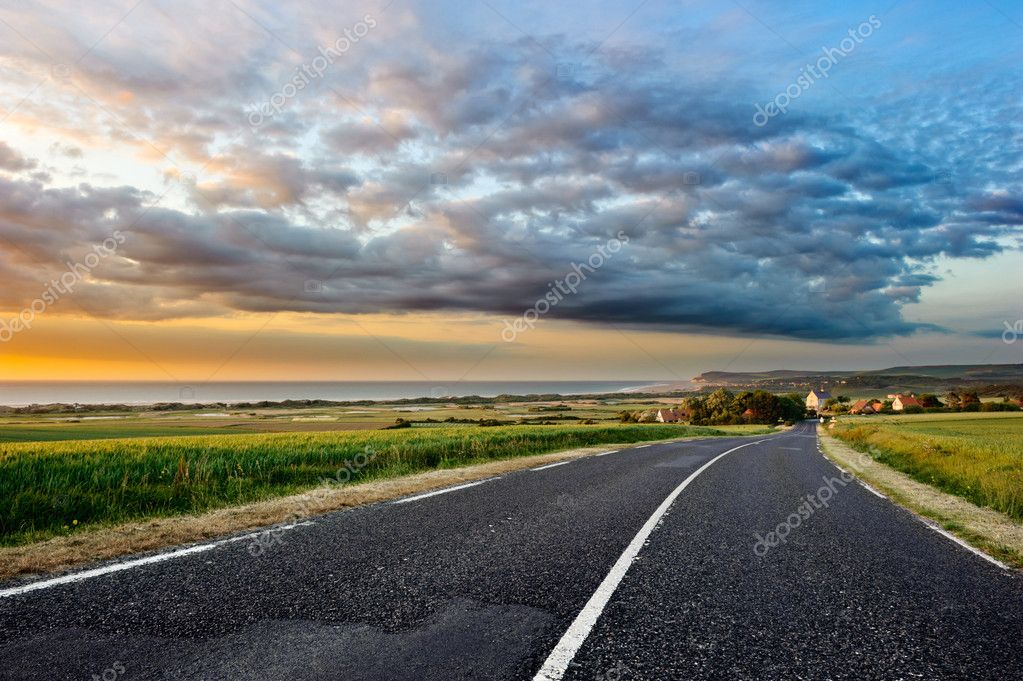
(641, 446)
(441, 491)
(558, 660)
(932, 525)
(550, 465)
(957, 540)
(796, 449)
(613, 451)
(871, 489)
(863, 484)
(129, 564)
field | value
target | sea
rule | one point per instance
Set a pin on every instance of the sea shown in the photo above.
(22, 393)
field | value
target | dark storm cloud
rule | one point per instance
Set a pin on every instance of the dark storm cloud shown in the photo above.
(425, 178)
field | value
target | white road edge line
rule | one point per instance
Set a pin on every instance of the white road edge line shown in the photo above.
(932, 525)
(148, 560)
(957, 540)
(871, 489)
(640, 446)
(550, 465)
(863, 484)
(441, 491)
(557, 662)
(613, 451)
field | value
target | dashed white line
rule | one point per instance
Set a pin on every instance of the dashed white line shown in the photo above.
(440, 491)
(557, 662)
(129, 564)
(550, 465)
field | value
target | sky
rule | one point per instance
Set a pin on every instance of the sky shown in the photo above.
(444, 191)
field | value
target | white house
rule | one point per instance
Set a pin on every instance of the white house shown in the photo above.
(670, 415)
(815, 400)
(902, 401)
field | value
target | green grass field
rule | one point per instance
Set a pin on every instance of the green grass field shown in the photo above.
(977, 456)
(98, 431)
(52, 488)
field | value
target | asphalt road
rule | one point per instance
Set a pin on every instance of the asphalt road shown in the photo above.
(571, 569)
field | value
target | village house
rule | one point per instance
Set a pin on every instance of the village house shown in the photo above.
(866, 407)
(861, 407)
(671, 415)
(815, 400)
(902, 401)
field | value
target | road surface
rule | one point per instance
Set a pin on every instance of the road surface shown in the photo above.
(640, 564)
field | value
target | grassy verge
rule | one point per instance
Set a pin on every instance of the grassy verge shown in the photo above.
(58, 488)
(991, 531)
(975, 457)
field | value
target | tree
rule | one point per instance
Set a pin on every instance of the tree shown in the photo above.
(792, 407)
(765, 406)
(929, 401)
(969, 401)
(721, 404)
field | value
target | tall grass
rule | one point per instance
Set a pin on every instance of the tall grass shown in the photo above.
(980, 459)
(49, 488)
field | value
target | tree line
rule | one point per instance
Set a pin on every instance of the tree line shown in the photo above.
(723, 407)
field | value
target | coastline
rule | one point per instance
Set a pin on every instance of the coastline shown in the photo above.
(19, 394)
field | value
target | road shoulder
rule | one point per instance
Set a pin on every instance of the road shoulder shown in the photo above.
(995, 533)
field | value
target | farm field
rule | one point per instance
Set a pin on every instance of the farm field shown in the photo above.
(81, 431)
(54, 488)
(125, 424)
(978, 456)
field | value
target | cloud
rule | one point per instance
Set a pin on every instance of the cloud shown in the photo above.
(421, 177)
(13, 161)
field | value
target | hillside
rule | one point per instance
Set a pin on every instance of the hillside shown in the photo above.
(919, 378)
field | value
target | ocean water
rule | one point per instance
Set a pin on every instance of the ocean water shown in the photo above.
(21, 393)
